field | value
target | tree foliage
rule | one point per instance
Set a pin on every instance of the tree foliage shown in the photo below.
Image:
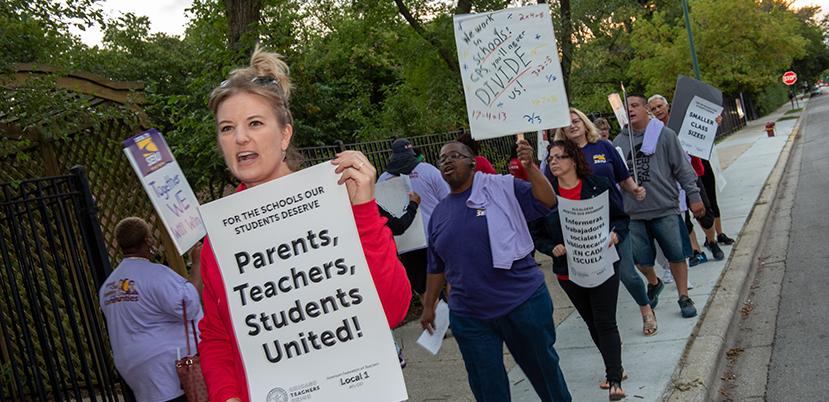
(366, 69)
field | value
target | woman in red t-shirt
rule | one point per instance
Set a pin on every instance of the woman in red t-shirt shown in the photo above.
(596, 305)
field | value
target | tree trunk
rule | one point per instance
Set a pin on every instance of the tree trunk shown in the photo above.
(242, 18)
(565, 40)
(446, 53)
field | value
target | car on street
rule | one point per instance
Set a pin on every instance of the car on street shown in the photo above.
(815, 90)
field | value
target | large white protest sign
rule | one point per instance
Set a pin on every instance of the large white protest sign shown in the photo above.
(585, 225)
(167, 188)
(393, 195)
(306, 315)
(699, 127)
(511, 74)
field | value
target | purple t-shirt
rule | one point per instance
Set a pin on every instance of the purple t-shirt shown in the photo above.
(606, 161)
(459, 246)
(428, 183)
(142, 304)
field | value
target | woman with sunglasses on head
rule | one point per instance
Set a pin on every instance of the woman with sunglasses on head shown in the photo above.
(254, 131)
(597, 306)
(605, 161)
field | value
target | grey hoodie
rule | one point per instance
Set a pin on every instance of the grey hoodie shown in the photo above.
(658, 174)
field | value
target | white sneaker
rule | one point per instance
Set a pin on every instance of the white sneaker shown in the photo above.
(690, 285)
(667, 277)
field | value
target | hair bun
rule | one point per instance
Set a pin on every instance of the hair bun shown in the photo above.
(271, 65)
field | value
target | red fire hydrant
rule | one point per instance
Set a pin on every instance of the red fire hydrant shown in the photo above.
(770, 129)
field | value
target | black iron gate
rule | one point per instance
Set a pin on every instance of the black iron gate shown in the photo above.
(53, 345)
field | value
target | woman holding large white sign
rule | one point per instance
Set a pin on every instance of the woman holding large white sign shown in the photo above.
(254, 131)
(596, 305)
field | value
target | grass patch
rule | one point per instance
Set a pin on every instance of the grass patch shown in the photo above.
(788, 118)
(794, 110)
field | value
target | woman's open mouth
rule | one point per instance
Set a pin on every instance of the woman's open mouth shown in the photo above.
(247, 156)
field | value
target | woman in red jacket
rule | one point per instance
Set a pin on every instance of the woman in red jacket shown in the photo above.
(254, 131)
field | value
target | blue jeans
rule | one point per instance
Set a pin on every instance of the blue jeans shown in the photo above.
(666, 231)
(629, 275)
(529, 333)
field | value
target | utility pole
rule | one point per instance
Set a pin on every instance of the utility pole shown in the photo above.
(691, 39)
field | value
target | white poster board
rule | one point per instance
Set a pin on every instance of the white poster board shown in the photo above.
(585, 225)
(511, 74)
(306, 314)
(618, 109)
(167, 188)
(393, 194)
(699, 127)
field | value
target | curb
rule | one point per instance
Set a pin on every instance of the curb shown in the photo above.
(696, 374)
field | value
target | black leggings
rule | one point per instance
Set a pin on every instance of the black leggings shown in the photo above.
(597, 306)
(710, 184)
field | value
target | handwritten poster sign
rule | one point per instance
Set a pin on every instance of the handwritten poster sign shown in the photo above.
(585, 225)
(165, 184)
(306, 314)
(511, 74)
(699, 127)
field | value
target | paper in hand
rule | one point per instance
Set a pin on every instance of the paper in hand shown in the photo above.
(432, 342)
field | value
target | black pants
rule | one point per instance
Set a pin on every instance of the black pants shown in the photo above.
(707, 220)
(415, 263)
(710, 184)
(597, 306)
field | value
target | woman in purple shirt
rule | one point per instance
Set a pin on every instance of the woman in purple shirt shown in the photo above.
(606, 161)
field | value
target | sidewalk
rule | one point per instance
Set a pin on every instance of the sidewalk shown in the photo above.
(653, 363)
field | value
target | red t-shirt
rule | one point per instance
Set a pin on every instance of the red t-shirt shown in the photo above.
(483, 165)
(570, 194)
(698, 167)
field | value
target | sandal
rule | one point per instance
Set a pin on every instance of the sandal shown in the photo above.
(618, 395)
(649, 324)
(605, 385)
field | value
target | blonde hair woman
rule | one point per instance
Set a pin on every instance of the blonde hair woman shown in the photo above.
(254, 129)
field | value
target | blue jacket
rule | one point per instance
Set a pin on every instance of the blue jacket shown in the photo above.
(546, 231)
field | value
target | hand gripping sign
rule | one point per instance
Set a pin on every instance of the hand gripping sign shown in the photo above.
(511, 73)
(303, 306)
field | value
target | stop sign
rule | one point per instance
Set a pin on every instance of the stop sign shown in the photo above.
(789, 78)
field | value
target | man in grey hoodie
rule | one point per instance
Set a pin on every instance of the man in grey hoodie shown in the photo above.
(658, 168)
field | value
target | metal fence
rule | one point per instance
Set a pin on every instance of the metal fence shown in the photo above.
(496, 150)
(53, 345)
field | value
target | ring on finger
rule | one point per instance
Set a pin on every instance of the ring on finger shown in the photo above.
(361, 165)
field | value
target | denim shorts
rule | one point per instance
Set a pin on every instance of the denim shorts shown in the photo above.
(667, 231)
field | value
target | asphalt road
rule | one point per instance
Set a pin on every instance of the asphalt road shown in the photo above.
(800, 352)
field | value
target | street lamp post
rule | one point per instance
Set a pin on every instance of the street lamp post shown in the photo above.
(691, 39)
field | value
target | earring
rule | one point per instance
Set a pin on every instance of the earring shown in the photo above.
(284, 155)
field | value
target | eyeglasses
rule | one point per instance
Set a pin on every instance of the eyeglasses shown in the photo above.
(452, 157)
(557, 158)
(264, 81)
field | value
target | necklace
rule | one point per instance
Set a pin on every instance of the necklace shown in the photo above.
(138, 258)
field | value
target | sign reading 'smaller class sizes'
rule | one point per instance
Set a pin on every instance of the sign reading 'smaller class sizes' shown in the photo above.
(304, 309)
(511, 73)
(699, 127)
(166, 186)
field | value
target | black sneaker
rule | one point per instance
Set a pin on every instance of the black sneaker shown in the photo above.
(654, 291)
(686, 306)
(716, 252)
(722, 238)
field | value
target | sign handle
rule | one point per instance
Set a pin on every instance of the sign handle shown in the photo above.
(630, 133)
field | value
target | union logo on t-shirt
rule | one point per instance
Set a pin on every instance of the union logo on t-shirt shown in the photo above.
(481, 212)
(599, 158)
